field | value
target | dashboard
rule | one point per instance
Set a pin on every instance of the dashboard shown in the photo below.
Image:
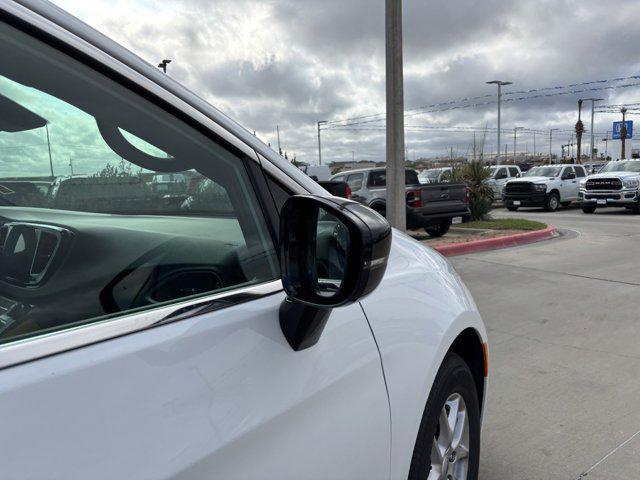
(76, 266)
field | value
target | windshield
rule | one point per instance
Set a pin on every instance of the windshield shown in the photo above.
(430, 173)
(632, 166)
(543, 172)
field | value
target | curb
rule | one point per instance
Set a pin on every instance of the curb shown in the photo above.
(497, 242)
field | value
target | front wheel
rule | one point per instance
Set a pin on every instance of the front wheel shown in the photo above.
(588, 208)
(438, 229)
(552, 203)
(448, 443)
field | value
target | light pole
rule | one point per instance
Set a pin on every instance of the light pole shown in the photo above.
(321, 122)
(623, 132)
(500, 84)
(515, 133)
(579, 131)
(163, 65)
(551, 143)
(593, 102)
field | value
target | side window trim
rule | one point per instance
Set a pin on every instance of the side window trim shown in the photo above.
(33, 348)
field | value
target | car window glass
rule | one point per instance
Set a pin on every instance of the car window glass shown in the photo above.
(580, 171)
(513, 172)
(355, 181)
(501, 173)
(108, 204)
(377, 178)
(339, 178)
(567, 171)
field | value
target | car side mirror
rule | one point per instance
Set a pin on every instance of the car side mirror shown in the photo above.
(518, 175)
(333, 252)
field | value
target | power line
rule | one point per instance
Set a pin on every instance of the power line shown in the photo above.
(452, 104)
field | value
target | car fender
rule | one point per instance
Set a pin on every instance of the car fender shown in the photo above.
(415, 314)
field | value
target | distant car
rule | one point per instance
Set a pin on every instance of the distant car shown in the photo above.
(435, 175)
(320, 173)
(169, 183)
(24, 192)
(500, 174)
(617, 184)
(430, 206)
(545, 186)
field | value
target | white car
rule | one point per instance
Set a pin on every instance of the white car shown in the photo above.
(241, 338)
(500, 175)
(547, 186)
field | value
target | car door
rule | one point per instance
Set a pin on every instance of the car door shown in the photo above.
(568, 185)
(139, 331)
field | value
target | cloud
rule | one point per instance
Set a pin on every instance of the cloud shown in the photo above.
(294, 62)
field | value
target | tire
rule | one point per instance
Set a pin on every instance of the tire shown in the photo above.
(512, 209)
(438, 229)
(552, 202)
(588, 209)
(635, 209)
(565, 204)
(453, 382)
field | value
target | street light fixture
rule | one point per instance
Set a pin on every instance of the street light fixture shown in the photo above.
(515, 132)
(321, 122)
(500, 84)
(163, 64)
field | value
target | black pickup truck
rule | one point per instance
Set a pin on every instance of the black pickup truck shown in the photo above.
(430, 206)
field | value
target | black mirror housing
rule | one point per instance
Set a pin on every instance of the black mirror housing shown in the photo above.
(369, 236)
(333, 252)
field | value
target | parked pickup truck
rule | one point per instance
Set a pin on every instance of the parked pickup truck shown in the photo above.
(432, 206)
(547, 186)
(617, 184)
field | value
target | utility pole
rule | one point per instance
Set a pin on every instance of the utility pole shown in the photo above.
(163, 65)
(46, 126)
(396, 209)
(500, 84)
(278, 133)
(515, 131)
(593, 102)
(551, 144)
(534, 144)
(623, 133)
(321, 122)
(606, 144)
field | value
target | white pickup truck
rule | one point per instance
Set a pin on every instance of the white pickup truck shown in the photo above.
(546, 186)
(617, 184)
(500, 175)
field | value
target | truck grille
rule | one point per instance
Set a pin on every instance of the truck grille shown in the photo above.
(604, 184)
(519, 187)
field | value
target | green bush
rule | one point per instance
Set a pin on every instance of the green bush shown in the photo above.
(475, 175)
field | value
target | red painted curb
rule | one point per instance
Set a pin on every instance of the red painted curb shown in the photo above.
(497, 242)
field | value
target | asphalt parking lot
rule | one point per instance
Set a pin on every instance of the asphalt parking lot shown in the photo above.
(564, 327)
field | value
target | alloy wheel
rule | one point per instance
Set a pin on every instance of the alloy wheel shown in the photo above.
(450, 448)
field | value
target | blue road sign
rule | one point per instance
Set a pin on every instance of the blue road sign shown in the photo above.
(617, 126)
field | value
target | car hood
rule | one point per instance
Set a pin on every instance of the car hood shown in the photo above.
(616, 175)
(530, 179)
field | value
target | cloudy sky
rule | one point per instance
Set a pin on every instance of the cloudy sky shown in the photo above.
(294, 62)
